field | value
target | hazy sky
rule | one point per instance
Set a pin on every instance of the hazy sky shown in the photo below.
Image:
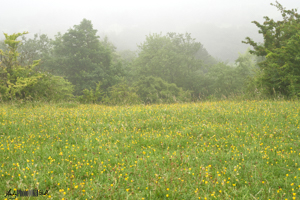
(41, 16)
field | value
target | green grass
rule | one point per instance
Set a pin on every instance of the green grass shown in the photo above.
(212, 150)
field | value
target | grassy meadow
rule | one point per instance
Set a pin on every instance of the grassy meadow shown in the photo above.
(208, 150)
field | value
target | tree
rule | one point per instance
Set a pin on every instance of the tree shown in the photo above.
(2, 45)
(24, 81)
(245, 69)
(284, 64)
(40, 47)
(127, 57)
(220, 80)
(83, 59)
(171, 57)
(207, 59)
(280, 70)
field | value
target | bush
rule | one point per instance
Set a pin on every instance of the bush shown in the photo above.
(155, 90)
(122, 94)
(90, 95)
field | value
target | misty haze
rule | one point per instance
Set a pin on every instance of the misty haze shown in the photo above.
(150, 99)
(219, 25)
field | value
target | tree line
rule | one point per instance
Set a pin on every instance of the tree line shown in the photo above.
(78, 65)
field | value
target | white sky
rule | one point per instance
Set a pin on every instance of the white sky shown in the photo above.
(49, 17)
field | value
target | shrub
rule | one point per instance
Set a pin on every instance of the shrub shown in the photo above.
(155, 90)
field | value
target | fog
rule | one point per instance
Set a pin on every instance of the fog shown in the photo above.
(218, 24)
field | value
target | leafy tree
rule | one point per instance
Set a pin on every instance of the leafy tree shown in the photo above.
(40, 47)
(23, 81)
(83, 59)
(280, 70)
(246, 68)
(226, 80)
(207, 59)
(221, 80)
(128, 55)
(127, 58)
(171, 57)
(285, 67)
(2, 45)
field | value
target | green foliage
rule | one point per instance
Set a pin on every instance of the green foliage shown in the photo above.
(246, 68)
(122, 94)
(127, 58)
(83, 59)
(146, 90)
(40, 47)
(223, 80)
(54, 88)
(280, 70)
(284, 68)
(92, 95)
(2, 45)
(174, 67)
(171, 57)
(119, 94)
(203, 55)
(155, 90)
(23, 81)
(128, 55)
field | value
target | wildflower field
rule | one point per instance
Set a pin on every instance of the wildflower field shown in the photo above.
(209, 150)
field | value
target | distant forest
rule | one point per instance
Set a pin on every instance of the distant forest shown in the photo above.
(80, 66)
(221, 42)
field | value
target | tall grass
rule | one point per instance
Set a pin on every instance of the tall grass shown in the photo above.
(209, 150)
